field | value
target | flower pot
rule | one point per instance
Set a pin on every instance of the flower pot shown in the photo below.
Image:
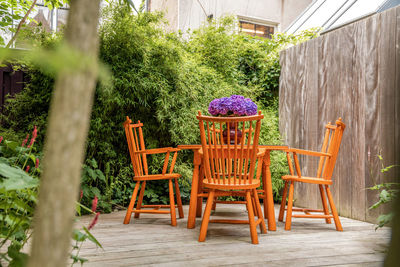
(232, 134)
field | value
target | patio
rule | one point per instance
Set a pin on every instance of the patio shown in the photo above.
(151, 240)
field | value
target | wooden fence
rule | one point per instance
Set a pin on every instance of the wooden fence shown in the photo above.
(353, 73)
(11, 82)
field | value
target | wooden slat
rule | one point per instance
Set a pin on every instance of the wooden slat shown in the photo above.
(343, 176)
(297, 88)
(386, 85)
(311, 116)
(372, 103)
(357, 133)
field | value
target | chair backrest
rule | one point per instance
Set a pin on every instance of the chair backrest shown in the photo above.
(134, 138)
(331, 145)
(227, 157)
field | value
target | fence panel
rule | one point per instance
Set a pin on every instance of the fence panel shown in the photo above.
(353, 73)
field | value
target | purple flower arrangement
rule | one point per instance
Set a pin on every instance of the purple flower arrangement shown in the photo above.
(235, 105)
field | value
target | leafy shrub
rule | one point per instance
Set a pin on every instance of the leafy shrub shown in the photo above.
(19, 181)
(161, 79)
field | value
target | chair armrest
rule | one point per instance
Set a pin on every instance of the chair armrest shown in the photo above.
(158, 150)
(308, 152)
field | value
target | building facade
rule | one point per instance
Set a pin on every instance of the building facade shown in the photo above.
(256, 17)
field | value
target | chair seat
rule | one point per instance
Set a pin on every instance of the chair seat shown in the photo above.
(151, 177)
(254, 184)
(305, 179)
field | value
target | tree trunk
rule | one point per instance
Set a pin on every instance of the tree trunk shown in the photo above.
(65, 142)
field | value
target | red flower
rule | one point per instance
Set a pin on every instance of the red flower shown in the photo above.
(81, 195)
(95, 219)
(25, 140)
(94, 204)
(1, 139)
(37, 163)
(34, 135)
(27, 168)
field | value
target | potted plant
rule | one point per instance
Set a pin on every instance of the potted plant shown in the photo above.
(233, 106)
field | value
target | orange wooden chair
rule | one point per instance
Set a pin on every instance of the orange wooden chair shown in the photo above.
(328, 155)
(138, 154)
(230, 167)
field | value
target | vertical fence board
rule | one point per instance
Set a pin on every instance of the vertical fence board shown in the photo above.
(353, 73)
(386, 84)
(343, 176)
(330, 87)
(301, 194)
(358, 153)
(310, 135)
(283, 96)
(372, 107)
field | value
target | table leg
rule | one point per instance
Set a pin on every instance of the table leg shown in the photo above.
(193, 193)
(269, 198)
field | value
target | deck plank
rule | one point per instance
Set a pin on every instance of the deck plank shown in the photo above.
(151, 241)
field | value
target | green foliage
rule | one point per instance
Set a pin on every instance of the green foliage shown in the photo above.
(19, 182)
(18, 193)
(387, 194)
(161, 79)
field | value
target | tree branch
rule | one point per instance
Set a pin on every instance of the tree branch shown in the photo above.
(20, 24)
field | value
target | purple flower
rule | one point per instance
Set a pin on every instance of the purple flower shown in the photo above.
(213, 108)
(237, 97)
(235, 105)
(251, 108)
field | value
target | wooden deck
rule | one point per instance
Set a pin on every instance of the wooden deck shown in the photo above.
(150, 240)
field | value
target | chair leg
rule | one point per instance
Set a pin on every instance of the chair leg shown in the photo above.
(324, 203)
(140, 199)
(131, 203)
(263, 227)
(254, 204)
(200, 191)
(252, 223)
(283, 203)
(333, 208)
(288, 222)
(178, 199)
(172, 203)
(206, 216)
(214, 206)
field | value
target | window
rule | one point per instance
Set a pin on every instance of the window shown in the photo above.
(254, 29)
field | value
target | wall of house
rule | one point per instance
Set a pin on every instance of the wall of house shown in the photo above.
(192, 13)
(171, 9)
(354, 73)
(291, 9)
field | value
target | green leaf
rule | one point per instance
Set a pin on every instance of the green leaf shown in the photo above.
(100, 175)
(384, 219)
(91, 237)
(16, 179)
(11, 145)
(92, 173)
(384, 196)
(79, 236)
